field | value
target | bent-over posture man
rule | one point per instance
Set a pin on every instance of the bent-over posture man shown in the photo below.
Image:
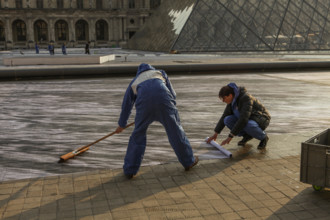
(154, 99)
(244, 115)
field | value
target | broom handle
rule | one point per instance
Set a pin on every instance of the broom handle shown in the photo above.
(104, 137)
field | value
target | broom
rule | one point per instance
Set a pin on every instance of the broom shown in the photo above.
(81, 150)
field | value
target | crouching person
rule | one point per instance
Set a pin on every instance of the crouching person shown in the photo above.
(244, 115)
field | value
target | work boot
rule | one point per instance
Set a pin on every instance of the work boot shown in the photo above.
(263, 143)
(196, 161)
(245, 139)
(129, 176)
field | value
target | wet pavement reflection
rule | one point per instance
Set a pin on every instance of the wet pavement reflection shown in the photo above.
(44, 119)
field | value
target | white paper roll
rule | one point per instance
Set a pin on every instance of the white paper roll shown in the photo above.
(223, 150)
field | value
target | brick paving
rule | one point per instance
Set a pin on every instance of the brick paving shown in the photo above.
(244, 188)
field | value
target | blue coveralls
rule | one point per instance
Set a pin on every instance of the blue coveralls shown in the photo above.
(154, 99)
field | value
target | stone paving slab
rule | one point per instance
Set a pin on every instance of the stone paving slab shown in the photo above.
(245, 188)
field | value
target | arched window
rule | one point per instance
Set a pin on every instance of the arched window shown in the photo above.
(2, 32)
(101, 30)
(40, 31)
(61, 31)
(82, 31)
(19, 30)
(154, 3)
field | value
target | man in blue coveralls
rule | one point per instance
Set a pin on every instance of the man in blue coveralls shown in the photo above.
(154, 99)
(244, 115)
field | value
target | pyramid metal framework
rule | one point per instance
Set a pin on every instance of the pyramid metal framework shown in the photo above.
(236, 25)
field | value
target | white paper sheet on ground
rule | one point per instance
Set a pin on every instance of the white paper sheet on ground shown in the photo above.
(213, 151)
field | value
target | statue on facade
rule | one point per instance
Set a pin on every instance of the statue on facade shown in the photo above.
(91, 3)
(72, 3)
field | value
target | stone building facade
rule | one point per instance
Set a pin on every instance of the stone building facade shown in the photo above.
(103, 23)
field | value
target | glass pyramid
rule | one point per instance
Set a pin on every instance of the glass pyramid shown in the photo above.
(236, 25)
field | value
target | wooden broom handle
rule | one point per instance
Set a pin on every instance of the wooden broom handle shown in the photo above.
(104, 137)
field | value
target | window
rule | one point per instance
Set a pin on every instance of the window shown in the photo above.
(131, 4)
(40, 4)
(19, 4)
(60, 4)
(101, 30)
(80, 4)
(40, 31)
(19, 30)
(81, 30)
(99, 4)
(2, 32)
(61, 31)
(131, 34)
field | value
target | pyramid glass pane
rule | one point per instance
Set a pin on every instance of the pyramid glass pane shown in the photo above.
(239, 25)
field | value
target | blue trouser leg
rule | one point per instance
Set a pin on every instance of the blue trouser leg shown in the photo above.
(252, 128)
(136, 146)
(177, 136)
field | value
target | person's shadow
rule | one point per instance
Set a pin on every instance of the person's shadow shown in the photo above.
(109, 194)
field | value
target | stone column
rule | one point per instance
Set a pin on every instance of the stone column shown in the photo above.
(116, 29)
(9, 34)
(91, 31)
(51, 36)
(124, 29)
(110, 29)
(120, 28)
(72, 33)
(29, 33)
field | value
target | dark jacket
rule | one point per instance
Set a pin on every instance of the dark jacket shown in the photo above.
(249, 108)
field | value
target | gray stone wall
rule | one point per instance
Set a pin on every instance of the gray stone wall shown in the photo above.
(121, 21)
